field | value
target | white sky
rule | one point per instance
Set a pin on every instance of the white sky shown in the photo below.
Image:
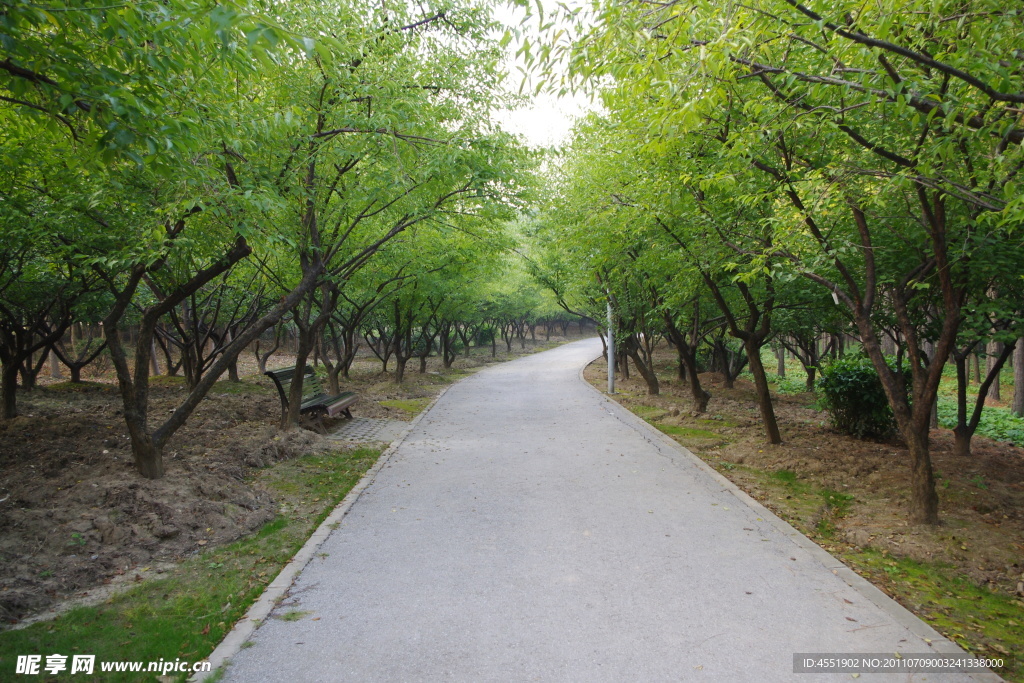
(546, 122)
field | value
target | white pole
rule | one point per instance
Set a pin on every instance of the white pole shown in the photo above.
(611, 350)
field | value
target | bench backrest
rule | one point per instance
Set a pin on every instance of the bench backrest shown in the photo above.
(311, 385)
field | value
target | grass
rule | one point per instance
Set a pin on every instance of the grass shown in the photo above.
(979, 620)
(409, 405)
(717, 421)
(81, 387)
(294, 615)
(187, 614)
(815, 510)
(686, 432)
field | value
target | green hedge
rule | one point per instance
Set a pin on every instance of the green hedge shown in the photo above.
(852, 395)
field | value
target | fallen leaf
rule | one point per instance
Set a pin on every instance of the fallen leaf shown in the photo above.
(205, 630)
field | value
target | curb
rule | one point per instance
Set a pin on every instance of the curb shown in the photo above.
(901, 615)
(276, 589)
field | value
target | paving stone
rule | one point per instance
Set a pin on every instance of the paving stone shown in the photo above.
(368, 430)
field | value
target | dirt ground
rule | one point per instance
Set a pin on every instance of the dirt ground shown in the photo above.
(75, 515)
(981, 498)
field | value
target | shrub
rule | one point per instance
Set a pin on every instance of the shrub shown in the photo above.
(852, 395)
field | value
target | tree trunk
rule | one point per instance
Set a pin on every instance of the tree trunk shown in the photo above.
(55, 371)
(913, 427)
(303, 347)
(961, 441)
(233, 365)
(781, 355)
(1018, 379)
(148, 456)
(977, 369)
(400, 362)
(993, 353)
(924, 503)
(764, 397)
(646, 371)
(809, 385)
(10, 390)
(687, 358)
(154, 367)
(967, 426)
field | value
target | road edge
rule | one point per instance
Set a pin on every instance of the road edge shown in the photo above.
(900, 614)
(276, 589)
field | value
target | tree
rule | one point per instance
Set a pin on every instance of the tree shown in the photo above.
(878, 143)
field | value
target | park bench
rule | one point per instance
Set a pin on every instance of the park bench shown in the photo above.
(316, 403)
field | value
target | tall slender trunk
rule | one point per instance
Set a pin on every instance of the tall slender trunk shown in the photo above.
(631, 346)
(10, 390)
(913, 426)
(961, 435)
(55, 371)
(687, 356)
(232, 365)
(809, 384)
(1018, 378)
(966, 426)
(304, 342)
(993, 354)
(764, 397)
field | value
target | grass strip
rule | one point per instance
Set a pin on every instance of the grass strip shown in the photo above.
(185, 615)
(977, 619)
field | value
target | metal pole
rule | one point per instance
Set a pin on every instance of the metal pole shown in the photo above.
(611, 350)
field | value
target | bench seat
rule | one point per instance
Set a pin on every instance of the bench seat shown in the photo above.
(316, 402)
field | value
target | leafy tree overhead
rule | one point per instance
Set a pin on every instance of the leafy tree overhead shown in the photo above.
(881, 144)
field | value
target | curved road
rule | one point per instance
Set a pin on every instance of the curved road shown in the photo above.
(528, 529)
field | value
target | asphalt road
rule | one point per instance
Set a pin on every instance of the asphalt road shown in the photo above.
(528, 529)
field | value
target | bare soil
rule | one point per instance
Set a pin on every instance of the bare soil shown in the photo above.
(75, 514)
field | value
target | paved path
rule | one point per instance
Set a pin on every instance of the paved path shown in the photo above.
(527, 529)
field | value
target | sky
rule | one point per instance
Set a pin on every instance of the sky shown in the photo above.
(549, 119)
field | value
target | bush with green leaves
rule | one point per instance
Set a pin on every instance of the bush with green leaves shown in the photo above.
(852, 395)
